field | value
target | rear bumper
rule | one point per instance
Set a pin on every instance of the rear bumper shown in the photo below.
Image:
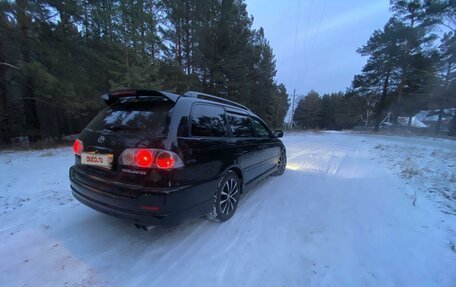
(174, 205)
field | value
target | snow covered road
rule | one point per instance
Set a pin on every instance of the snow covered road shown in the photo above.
(341, 215)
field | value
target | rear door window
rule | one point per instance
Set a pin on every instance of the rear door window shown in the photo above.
(208, 121)
(240, 125)
(134, 115)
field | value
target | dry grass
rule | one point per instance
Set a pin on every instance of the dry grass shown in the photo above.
(410, 169)
(47, 154)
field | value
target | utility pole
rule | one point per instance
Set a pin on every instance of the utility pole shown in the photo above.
(290, 123)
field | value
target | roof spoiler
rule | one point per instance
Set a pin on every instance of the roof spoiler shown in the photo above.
(112, 96)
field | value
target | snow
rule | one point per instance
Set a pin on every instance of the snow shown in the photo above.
(415, 122)
(350, 210)
(427, 165)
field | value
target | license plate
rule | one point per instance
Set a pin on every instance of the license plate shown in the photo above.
(96, 159)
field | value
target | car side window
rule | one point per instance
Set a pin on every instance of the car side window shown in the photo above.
(208, 121)
(260, 128)
(240, 125)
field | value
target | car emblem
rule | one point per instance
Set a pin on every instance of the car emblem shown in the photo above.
(101, 139)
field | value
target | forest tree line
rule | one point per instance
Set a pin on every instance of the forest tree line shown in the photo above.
(58, 57)
(411, 66)
(333, 111)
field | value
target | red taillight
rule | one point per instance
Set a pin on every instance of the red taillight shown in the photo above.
(164, 160)
(77, 147)
(143, 158)
(150, 207)
(150, 158)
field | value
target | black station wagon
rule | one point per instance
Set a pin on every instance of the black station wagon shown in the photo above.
(158, 158)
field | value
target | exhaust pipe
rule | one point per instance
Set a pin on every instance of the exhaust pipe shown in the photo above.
(144, 227)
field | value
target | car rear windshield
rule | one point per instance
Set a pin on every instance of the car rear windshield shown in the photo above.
(134, 115)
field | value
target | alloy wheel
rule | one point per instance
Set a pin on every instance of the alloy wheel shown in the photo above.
(228, 196)
(282, 163)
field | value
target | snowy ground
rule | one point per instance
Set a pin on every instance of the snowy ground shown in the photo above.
(428, 165)
(351, 210)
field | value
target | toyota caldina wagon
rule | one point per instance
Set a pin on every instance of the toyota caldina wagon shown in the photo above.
(157, 158)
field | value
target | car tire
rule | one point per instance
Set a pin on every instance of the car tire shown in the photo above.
(282, 163)
(226, 197)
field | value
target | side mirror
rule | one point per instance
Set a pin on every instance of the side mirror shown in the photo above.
(278, 133)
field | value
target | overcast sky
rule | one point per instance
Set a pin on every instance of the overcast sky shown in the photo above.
(315, 41)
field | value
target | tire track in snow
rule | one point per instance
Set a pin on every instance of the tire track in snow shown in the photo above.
(336, 217)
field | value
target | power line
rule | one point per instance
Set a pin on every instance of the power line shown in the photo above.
(314, 35)
(293, 70)
(309, 44)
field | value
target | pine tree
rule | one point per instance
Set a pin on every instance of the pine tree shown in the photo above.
(262, 73)
(66, 53)
(382, 74)
(444, 13)
(307, 114)
(280, 106)
(416, 78)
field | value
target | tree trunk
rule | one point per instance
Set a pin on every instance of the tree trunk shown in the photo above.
(127, 64)
(85, 21)
(439, 121)
(152, 24)
(30, 110)
(442, 103)
(381, 104)
(452, 127)
(188, 23)
(4, 125)
(179, 35)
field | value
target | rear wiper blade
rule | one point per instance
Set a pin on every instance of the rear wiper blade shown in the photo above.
(123, 128)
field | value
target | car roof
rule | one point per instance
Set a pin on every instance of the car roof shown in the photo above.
(213, 98)
(112, 96)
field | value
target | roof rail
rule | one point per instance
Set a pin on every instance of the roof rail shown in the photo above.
(209, 97)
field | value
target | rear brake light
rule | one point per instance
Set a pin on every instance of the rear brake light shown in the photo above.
(147, 158)
(150, 207)
(143, 158)
(78, 147)
(164, 160)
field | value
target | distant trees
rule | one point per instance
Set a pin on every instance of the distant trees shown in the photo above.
(331, 111)
(410, 64)
(57, 57)
(308, 113)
